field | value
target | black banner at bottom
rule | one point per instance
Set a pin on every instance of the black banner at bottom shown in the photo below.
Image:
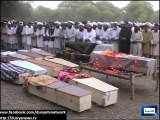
(33, 115)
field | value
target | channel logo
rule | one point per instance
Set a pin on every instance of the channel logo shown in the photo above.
(148, 110)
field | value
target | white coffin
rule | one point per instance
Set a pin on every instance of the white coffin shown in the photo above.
(102, 93)
(30, 66)
(52, 68)
(73, 97)
(47, 92)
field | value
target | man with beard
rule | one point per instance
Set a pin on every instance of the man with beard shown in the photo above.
(29, 33)
(10, 37)
(136, 41)
(79, 33)
(114, 36)
(106, 33)
(14, 33)
(46, 37)
(4, 34)
(89, 34)
(24, 36)
(147, 37)
(63, 36)
(51, 40)
(40, 34)
(71, 32)
(124, 38)
(94, 25)
(99, 30)
(19, 31)
(57, 39)
(155, 43)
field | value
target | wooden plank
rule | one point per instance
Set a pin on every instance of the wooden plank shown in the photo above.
(41, 52)
(31, 54)
(17, 56)
(62, 62)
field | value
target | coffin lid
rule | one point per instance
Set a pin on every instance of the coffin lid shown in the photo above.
(96, 84)
(73, 90)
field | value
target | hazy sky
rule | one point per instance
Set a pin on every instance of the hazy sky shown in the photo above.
(119, 4)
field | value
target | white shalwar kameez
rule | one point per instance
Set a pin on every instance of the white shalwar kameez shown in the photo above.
(89, 35)
(40, 38)
(79, 34)
(57, 40)
(115, 34)
(136, 48)
(24, 37)
(29, 37)
(106, 35)
(70, 34)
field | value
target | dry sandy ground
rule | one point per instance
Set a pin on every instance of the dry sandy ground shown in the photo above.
(15, 97)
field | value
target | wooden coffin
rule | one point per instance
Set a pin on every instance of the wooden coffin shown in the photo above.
(102, 93)
(18, 56)
(47, 92)
(41, 52)
(30, 66)
(21, 78)
(65, 63)
(31, 54)
(74, 98)
(52, 68)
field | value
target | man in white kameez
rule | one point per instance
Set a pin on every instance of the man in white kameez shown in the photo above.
(46, 38)
(136, 42)
(99, 32)
(114, 36)
(63, 36)
(40, 33)
(155, 43)
(80, 32)
(51, 40)
(29, 33)
(24, 36)
(14, 33)
(4, 34)
(57, 39)
(10, 32)
(106, 33)
(89, 34)
(70, 32)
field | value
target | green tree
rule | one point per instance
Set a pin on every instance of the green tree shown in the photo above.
(155, 17)
(138, 11)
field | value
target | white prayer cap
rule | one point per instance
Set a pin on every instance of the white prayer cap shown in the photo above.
(105, 23)
(99, 23)
(71, 22)
(121, 22)
(130, 23)
(148, 24)
(40, 23)
(94, 23)
(90, 24)
(57, 22)
(115, 23)
(80, 24)
(9, 22)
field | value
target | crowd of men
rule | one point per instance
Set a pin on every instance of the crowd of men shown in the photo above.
(126, 37)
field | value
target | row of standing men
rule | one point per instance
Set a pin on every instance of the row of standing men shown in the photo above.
(125, 38)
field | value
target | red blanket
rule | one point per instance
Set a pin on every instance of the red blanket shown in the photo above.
(66, 75)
